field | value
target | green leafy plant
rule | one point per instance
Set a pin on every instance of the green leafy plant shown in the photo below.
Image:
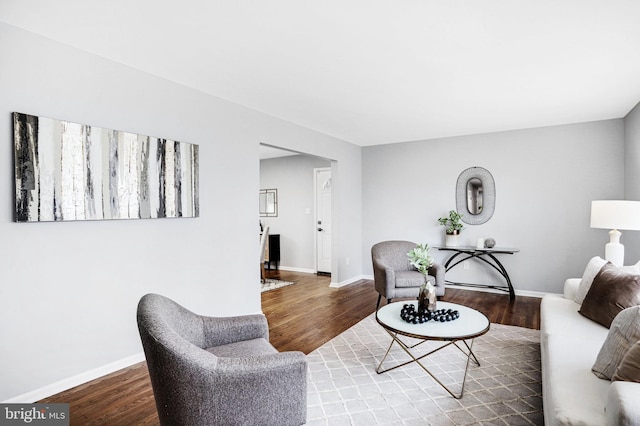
(452, 223)
(420, 259)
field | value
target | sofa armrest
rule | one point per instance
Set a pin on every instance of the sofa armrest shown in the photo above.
(622, 404)
(571, 288)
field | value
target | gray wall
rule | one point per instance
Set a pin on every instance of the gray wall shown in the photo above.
(292, 176)
(69, 290)
(631, 239)
(545, 181)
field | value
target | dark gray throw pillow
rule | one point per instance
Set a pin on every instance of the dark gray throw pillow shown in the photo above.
(612, 290)
(629, 368)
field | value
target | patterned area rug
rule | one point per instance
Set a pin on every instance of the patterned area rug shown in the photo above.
(272, 284)
(344, 389)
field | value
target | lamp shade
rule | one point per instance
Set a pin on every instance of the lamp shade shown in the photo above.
(615, 214)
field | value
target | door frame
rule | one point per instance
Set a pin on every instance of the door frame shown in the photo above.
(315, 216)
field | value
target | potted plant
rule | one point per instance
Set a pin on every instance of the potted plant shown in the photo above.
(453, 226)
(420, 259)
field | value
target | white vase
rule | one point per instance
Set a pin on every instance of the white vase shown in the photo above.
(451, 240)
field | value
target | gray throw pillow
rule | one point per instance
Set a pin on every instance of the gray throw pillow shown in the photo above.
(623, 333)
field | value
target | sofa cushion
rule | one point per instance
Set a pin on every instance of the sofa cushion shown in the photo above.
(624, 332)
(569, 342)
(629, 368)
(411, 279)
(613, 290)
(243, 349)
(593, 267)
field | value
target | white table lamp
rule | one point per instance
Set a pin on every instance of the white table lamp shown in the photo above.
(614, 215)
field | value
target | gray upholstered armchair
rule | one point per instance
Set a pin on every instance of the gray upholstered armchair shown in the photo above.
(394, 277)
(219, 371)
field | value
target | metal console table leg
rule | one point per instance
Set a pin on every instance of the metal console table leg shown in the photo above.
(468, 252)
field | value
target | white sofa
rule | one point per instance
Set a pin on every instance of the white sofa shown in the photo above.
(572, 394)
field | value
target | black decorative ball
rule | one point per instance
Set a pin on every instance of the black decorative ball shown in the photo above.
(409, 314)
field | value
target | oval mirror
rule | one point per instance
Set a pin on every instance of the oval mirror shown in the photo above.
(474, 196)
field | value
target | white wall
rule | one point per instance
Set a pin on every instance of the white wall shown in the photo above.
(631, 239)
(69, 290)
(292, 176)
(545, 181)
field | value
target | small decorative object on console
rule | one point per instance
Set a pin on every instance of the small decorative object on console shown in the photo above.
(489, 243)
(409, 314)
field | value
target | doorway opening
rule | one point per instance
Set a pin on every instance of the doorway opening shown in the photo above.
(303, 183)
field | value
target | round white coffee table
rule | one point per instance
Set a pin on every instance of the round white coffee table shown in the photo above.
(468, 326)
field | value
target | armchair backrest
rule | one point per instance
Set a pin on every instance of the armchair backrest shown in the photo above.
(393, 254)
(180, 370)
(167, 322)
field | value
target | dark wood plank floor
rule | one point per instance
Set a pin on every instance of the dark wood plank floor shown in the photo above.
(301, 317)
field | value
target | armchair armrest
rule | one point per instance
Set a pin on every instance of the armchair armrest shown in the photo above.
(238, 390)
(223, 330)
(437, 270)
(390, 279)
(278, 381)
(384, 277)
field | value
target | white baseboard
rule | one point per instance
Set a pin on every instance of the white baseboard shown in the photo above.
(292, 269)
(349, 281)
(530, 293)
(71, 382)
(527, 293)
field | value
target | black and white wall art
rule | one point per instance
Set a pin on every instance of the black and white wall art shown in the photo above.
(68, 171)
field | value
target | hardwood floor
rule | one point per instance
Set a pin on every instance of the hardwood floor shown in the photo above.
(301, 317)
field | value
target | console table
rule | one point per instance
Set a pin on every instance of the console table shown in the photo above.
(486, 255)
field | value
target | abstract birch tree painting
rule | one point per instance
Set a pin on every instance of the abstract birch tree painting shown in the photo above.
(70, 171)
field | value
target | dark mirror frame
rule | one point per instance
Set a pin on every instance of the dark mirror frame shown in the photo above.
(488, 195)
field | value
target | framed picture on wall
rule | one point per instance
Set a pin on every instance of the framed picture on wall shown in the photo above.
(69, 171)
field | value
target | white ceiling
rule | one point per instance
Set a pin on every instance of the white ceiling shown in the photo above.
(372, 71)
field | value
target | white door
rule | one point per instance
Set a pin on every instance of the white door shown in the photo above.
(323, 219)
